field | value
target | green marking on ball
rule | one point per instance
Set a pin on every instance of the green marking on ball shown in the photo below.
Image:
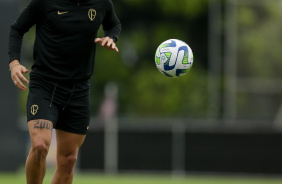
(185, 58)
(185, 71)
(164, 45)
(157, 60)
(168, 55)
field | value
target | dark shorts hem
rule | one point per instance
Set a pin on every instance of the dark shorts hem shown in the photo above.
(32, 119)
(71, 131)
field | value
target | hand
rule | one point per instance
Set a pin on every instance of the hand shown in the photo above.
(17, 75)
(107, 42)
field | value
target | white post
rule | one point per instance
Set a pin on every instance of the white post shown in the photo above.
(214, 72)
(108, 112)
(230, 61)
(178, 149)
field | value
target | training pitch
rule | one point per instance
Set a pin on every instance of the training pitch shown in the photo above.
(90, 178)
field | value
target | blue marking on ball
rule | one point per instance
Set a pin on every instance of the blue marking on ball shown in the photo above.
(166, 74)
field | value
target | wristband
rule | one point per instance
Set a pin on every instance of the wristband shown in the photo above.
(13, 66)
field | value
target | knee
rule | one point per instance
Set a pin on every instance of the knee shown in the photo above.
(70, 160)
(40, 150)
(67, 162)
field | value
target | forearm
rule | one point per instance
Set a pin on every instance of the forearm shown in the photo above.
(111, 23)
(15, 44)
(113, 32)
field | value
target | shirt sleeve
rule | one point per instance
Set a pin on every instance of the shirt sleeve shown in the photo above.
(29, 17)
(111, 23)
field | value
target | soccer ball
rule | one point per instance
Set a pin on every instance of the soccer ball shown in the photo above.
(174, 58)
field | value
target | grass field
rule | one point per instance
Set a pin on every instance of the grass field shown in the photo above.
(19, 178)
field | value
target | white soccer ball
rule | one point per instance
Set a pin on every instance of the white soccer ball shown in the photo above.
(174, 58)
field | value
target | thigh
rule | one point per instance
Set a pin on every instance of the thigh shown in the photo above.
(68, 143)
(40, 131)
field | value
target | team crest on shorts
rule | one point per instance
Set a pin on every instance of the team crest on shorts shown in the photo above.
(34, 109)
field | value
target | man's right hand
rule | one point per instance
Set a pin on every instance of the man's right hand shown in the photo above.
(17, 71)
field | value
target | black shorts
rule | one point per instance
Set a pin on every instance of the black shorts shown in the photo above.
(66, 105)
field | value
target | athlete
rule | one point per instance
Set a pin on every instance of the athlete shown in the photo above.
(64, 51)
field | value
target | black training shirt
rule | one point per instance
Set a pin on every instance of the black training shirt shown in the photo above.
(64, 47)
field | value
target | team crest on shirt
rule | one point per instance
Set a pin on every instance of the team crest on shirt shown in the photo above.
(92, 14)
(34, 109)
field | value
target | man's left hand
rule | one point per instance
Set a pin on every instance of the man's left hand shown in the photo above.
(107, 42)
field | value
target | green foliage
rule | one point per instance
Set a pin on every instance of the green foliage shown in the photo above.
(175, 7)
(260, 41)
(259, 57)
(157, 95)
(183, 7)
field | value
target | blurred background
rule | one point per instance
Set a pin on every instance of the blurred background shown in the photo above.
(223, 117)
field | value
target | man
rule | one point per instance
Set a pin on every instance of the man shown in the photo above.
(64, 52)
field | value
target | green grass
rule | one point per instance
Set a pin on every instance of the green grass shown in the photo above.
(19, 178)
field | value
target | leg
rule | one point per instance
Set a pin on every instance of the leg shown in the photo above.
(40, 134)
(68, 145)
